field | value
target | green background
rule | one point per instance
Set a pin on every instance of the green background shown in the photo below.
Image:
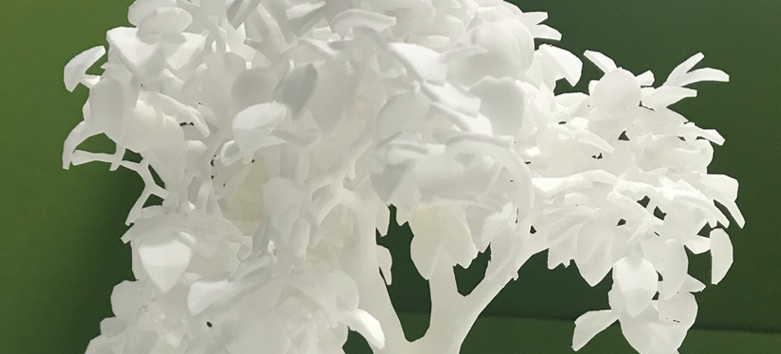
(60, 253)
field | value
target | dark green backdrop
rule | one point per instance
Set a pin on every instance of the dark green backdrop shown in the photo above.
(60, 253)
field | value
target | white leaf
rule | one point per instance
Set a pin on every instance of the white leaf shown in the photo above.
(637, 280)
(680, 309)
(637, 332)
(675, 268)
(421, 61)
(252, 87)
(589, 325)
(166, 20)
(126, 299)
(692, 285)
(502, 101)
(205, 292)
(682, 74)
(697, 244)
(165, 261)
(345, 21)
(452, 97)
(441, 234)
(383, 220)
(140, 9)
(148, 127)
(721, 254)
(267, 332)
(181, 54)
(76, 69)
(368, 326)
(135, 51)
(618, 89)
(603, 62)
(509, 51)
(726, 192)
(593, 253)
(569, 64)
(426, 246)
(646, 78)
(328, 105)
(296, 89)
(253, 124)
(676, 76)
(667, 95)
(385, 260)
(107, 108)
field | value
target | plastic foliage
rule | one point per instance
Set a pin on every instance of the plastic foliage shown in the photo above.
(278, 132)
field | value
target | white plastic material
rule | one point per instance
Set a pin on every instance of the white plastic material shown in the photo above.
(278, 133)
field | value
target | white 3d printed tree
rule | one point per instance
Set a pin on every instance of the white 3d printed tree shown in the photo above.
(281, 130)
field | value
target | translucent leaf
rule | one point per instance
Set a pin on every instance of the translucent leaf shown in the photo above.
(76, 69)
(590, 324)
(165, 261)
(721, 254)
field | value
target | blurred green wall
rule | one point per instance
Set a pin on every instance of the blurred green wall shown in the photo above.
(60, 253)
